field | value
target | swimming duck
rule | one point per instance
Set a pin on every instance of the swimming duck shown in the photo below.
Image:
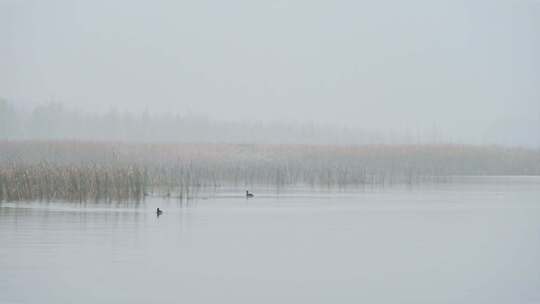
(249, 194)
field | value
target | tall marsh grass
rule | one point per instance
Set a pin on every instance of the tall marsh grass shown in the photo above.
(84, 171)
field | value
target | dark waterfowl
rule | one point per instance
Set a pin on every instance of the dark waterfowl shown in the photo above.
(159, 212)
(248, 195)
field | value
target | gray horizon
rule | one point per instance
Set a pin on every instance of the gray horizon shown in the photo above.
(468, 69)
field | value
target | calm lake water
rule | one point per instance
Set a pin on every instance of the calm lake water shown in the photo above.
(473, 241)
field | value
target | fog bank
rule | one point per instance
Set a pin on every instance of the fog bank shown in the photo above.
(55, 121)
(467, 69)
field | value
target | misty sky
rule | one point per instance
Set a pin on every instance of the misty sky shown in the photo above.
(469, 68)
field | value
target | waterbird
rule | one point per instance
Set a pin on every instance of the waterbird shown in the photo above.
(159, 211)
(249, 194)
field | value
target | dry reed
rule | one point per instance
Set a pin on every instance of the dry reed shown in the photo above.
(78, 171)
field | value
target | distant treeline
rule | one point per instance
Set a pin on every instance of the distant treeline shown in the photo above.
(65, 170)
(54, 121)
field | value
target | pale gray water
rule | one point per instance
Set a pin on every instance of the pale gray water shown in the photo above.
(477, 242)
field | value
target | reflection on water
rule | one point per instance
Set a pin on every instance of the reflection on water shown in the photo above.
(477, 242)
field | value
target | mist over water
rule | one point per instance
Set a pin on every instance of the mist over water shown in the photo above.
(55, 121)
(302, 151)
(471, 242)
(466, 71)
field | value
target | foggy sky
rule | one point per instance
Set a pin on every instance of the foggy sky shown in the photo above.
(470, 69)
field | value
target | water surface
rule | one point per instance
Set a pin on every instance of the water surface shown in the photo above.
(474, 241)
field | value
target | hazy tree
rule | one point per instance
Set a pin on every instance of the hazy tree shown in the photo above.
(8, 120)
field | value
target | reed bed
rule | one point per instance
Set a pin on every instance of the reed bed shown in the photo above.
(74, 183)
(86, 171)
